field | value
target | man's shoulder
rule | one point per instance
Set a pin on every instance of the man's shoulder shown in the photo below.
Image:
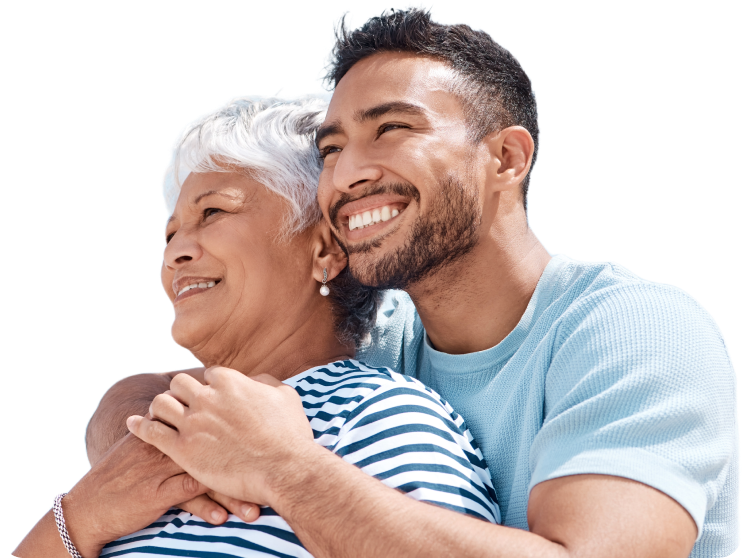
(608, 295)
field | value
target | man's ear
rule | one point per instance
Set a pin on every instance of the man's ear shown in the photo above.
(326, 253)
(511, 152)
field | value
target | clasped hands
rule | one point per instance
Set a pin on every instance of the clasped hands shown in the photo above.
(230, 434)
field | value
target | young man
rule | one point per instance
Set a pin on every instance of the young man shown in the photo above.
(603, 403)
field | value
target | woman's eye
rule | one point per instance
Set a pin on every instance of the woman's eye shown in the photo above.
(208, 212)
(169, 237)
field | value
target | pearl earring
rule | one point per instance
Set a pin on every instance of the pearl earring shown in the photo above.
(324, 290)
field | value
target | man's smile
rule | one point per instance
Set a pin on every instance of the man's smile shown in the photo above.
(368, 216)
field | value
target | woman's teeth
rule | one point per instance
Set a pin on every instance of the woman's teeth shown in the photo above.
(197, 286)
(368, 218)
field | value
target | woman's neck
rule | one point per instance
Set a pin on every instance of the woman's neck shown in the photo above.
(282, 352)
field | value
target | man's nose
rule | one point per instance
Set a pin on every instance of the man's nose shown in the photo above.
(181, 249)
(355, 167)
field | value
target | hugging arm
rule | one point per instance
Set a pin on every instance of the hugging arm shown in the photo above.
(338, 510)
(130, 396)
(133, 396)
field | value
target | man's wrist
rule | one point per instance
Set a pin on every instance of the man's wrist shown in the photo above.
(293, 469)
(292, 482)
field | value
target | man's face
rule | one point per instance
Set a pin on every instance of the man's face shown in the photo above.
(401, 183)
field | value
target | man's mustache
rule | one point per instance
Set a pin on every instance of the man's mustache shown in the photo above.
(399, 188)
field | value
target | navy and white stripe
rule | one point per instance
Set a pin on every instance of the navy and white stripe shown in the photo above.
(389, 425)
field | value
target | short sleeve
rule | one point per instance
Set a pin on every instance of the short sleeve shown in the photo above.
(405, 436)
(640, 386)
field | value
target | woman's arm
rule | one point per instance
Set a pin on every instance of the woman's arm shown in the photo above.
(129, 488)
(132, 396)
(43, 541)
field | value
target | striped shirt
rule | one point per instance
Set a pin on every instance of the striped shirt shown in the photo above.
(389, 425)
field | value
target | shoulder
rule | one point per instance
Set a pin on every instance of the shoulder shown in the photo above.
(612, 313)
(361, 386)
(396, 334)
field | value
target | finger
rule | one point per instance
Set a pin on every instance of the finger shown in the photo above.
(205, 508)
(246, 511)
(179, 488)
(184, 388)
(216, 375)
(166, 408)
(154, 433)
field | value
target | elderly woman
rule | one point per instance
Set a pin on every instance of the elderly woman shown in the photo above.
(259, 286)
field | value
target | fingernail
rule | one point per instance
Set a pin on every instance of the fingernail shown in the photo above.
(216, 515)
(245, 510)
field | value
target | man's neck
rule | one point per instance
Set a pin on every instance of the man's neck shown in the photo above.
(474, 303)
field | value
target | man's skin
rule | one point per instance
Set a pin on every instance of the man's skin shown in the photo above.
(371, 136)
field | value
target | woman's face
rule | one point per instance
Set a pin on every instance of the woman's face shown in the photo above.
(228, 277)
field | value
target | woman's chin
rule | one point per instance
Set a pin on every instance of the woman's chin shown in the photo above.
(187, 336)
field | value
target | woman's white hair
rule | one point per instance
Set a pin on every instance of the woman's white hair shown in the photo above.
(270, 140)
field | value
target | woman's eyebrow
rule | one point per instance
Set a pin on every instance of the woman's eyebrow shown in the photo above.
(212, 193)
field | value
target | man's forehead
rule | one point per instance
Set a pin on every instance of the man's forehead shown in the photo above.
(389, 78)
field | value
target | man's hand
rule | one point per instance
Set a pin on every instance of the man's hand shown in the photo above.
(132, 396)
(225, 433)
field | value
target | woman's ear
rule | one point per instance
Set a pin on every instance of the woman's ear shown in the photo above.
(326, 253)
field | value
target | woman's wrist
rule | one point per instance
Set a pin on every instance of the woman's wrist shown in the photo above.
(81, 528)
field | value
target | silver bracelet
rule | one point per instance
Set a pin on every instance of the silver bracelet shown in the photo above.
(59, 519)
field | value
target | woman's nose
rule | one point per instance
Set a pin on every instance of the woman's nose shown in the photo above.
(354, 168)
(181, 249)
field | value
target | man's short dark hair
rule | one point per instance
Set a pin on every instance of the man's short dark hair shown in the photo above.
(495, 90)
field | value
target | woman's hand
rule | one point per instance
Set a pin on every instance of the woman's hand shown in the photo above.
(128, 489)
(225, 433)
(213, 507)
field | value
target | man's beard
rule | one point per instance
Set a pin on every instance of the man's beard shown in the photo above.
(446, 233)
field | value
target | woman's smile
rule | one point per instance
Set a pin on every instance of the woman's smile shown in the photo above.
(190, 286)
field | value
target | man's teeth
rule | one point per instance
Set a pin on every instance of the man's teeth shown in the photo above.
(197, 286)
(368, 218)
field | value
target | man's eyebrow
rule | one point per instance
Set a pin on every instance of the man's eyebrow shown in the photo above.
(370, 114)
(385, 108)
(328, 130)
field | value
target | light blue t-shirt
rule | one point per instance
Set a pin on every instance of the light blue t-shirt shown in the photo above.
(606, 373)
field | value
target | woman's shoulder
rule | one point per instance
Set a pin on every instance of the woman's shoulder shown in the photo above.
(350, 387)
(356, 376)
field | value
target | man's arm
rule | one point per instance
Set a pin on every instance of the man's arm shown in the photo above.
(266, 455)
(338, 511)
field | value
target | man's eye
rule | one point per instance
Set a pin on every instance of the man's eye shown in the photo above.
(325, 151)
(387, 127)
(208, 212)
